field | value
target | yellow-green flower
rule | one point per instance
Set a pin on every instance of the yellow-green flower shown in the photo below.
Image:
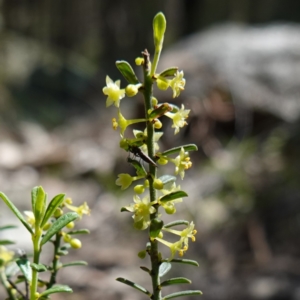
(124, 181)
(182, 162)
(113, 92)
(80, 210)
(179, 118)
(132, 89)
(124, 123)
(177, 84)
(174, 247)
(185, 234)
(30, 217)
(5, 255)
(142, 209)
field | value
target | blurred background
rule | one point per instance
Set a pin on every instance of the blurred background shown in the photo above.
(241, 60)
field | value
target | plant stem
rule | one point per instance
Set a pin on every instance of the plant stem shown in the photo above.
(154, 256)
(36, 258)
(6, 285)
(55, 261)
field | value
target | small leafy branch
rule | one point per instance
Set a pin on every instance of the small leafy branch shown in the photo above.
(161, 192)
(46, 223)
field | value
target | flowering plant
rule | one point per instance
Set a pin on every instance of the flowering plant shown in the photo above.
(47, 223)
(154, 192)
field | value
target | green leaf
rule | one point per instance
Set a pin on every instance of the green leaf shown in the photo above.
(173, 196)
(164, 268)
(6, 242)
(187, 148)
(79, 231)
(39, 267)
(160, 111)
(183, 293)
(145, 269)
(185, 261)
(177, 280)
(53, 205)
(134, 285)
(39, 201)
(169, 72)
(124, 209)
(58, 225)
(24, 265)
(57, 289)
(127, 71)
(8, 227)
(75, 263)
(155, 226)
(159, 28)
(16, 212)
(140, 170)
(176, 223)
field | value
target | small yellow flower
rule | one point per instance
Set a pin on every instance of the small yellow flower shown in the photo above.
(179, 118)
(113, 92)
(142, 210)
(185, 234)
(5, 255)
(30, 217)
(124, 181)
(174, 247)
(182, 162)
(177, 84)
(124, 123)
(81, 210)
(132, 89)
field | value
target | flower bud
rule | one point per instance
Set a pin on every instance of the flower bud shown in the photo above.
(58, 212)
(70, 225)
(139, 61)
(131, 90)
(162, 161)
(158, 184)
(139, 189)
(157, 124)
(75, 243)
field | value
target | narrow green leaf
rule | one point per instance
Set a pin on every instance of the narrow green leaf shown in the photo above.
(79, 231)
(176, 223)
(160, 111)
(169, 72)
(164, 268)
(140, 170)
(124, 209)
(6, 242)
(53, 205)
(155, 226)
(185, 261)
(39, 267)
(62, 252)
(159, 28)
(187, 148)
(8, 227)
(16, 212)
(39, 200)
(173, 196)
(58, 225)
(56, 289)
(126, 70)
(75, 263)
(177, 280)
(24, 265)
(145, 269)
(183, 293)
(134, 285)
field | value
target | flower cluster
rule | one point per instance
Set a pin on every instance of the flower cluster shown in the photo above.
(143, 207)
